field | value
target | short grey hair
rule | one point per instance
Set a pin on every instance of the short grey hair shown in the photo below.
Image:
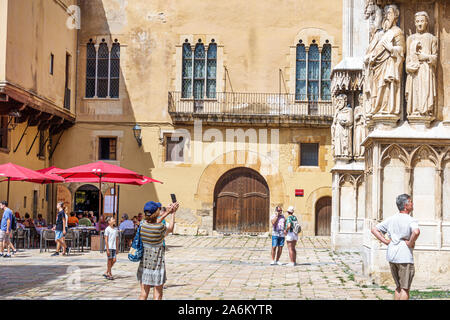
(402, 200)
(125, 216)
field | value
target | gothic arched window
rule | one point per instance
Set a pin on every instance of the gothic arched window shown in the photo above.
(199, 71)
(313, 72)
(102, 70)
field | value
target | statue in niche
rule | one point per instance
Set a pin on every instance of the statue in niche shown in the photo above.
(421, 61)
(359, 129)
(341, 129)
(384, 59)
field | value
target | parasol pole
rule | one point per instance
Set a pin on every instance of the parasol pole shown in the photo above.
(114, 203)
(7, 195)
(99, 199)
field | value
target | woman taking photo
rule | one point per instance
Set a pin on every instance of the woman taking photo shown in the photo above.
(152, 268)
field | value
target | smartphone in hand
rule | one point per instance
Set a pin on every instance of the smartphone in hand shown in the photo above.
(174, 198)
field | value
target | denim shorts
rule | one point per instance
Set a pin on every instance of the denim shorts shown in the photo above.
(58, 235)
(277, 241)
(112, 253)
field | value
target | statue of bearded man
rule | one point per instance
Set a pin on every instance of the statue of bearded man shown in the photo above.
(420, 66)
(341, 129)
(384, 58)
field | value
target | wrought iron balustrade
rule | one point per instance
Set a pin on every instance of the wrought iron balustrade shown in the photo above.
(256, 104)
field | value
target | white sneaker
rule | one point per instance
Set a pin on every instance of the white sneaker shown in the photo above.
(279, 263)
(273, 263)
(291, 264)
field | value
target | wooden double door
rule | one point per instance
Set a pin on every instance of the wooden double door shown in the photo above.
(323, 216)
(241, 202)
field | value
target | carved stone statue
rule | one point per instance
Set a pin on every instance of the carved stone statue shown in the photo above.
(384, 58)
(341, 129)
(374, 14)
(420, 67)
(359, 129)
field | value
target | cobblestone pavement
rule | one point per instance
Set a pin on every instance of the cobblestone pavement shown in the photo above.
(234, 267)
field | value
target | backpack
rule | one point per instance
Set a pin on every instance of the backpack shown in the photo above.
(296, 226)
(13, 223)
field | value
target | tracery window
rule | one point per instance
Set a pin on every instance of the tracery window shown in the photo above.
(199, 71)
(102, 70)
(313, 72)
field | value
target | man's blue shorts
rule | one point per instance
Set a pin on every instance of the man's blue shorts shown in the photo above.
(277, 241)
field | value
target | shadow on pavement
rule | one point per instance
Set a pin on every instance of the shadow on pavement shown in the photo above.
(17, 278)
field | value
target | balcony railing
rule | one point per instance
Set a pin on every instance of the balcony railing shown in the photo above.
(67, 99)
(250, 104)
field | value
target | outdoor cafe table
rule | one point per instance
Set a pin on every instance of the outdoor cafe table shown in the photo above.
(83, 232)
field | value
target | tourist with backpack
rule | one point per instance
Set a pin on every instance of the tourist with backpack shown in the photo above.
(292, 230)
(6, 228)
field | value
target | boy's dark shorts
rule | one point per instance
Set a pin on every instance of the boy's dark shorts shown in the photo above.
(112, 253)
(403, 274)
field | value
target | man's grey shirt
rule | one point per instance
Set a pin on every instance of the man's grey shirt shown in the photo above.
(399, 228)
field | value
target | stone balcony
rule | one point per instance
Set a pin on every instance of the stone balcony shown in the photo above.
(230, 108)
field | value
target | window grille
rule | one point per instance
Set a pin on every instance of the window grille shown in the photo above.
(211, 66)
(300, 88)
(199, 71)
(313, 72)
(115, 71)
(103, 70)
(309, 154)
(186, 86)
(325, 93)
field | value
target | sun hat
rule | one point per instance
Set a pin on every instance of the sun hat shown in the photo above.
(290, 209)
(151, 207)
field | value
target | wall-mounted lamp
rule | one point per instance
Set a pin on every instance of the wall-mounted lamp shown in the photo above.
(13, 116)
(137, 134)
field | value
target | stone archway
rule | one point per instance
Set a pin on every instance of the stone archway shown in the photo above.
(216, 169)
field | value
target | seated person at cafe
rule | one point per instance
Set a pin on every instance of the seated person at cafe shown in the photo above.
(28, 222)
(135, 221)
(126, 224)
(85, 221)
(40, 221)
(102, 225)
(73, 221)
(91, 216)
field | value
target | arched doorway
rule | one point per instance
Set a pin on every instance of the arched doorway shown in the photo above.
(86, 199)
(241, 202)
(323, 216)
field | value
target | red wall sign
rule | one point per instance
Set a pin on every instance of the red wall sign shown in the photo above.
(299, 192)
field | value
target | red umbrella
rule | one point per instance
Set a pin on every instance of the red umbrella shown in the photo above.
(14, 172)
(100, 172)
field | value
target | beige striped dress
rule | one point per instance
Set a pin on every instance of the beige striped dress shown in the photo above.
(152, 268)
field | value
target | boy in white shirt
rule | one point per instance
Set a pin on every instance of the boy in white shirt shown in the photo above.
(403, 232)
(110, 245)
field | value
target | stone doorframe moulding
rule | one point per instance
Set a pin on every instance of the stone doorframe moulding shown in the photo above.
(311, 203)
(216, 169)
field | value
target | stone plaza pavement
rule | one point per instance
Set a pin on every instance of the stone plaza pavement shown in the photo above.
(198, 267)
